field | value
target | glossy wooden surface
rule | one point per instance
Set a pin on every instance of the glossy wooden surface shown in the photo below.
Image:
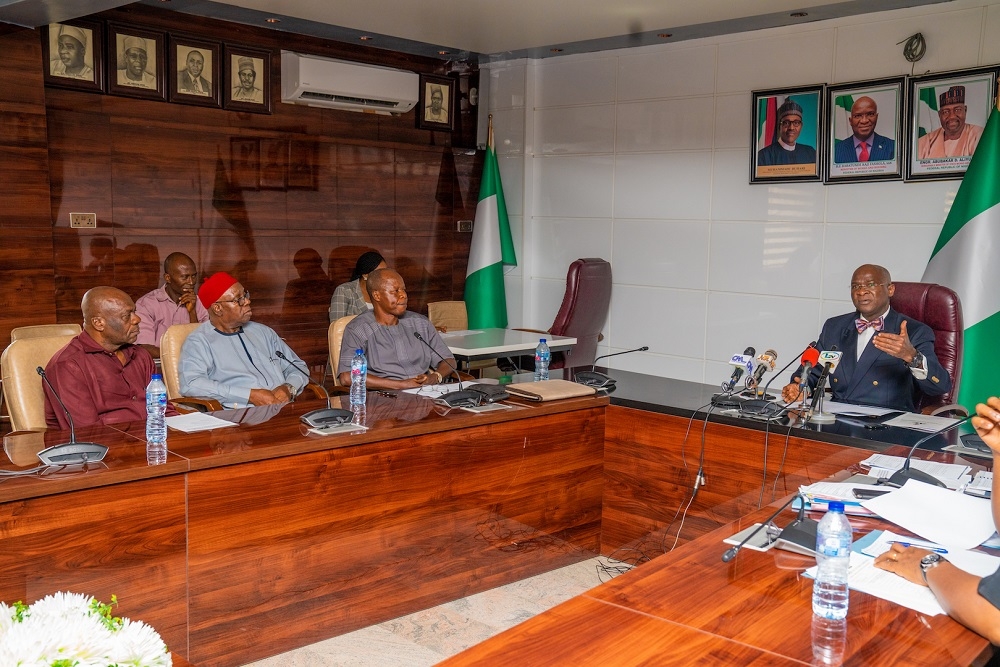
(317, 187)
(758, 602)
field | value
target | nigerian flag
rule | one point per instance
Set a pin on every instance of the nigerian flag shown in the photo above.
(967, 259)
(492, 248)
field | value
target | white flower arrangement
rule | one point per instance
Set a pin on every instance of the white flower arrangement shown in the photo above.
(72, 630)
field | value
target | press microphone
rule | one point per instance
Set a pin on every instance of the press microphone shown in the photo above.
(731, 553)
(899, 477)
(416, 334)
(766, 362)
(597, 380)
(742, 362)
(829, 359)
(762, 407)
(328, 416)
(72, 452)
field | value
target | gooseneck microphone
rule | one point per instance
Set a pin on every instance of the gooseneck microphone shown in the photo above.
(615, 354)
(741, 362)
(905, 473)
(767, 361)
(328, 416)
(416, 334)
(761, 406)
(597, 380)
(72, 452)
(731, 553)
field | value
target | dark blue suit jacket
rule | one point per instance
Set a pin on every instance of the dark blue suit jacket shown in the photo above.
(883, 148)
(878, 378)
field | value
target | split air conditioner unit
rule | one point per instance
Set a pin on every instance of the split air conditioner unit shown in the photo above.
(337, 84)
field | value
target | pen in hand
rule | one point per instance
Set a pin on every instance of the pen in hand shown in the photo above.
(937, 550)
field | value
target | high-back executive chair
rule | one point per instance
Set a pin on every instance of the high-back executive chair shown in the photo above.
(22, 385)
(335, 336)
(939, 308)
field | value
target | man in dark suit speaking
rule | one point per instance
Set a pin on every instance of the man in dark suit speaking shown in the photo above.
(885, 355)
(865, 144)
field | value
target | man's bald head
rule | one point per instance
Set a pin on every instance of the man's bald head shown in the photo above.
(388, 293)
(175, 258)
(109, 317)
(378, 278)
(180, 276)
(881, 273)
(871, 289)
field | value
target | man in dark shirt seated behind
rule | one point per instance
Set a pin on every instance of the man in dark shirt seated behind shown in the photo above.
(972, 601)
(101, 375)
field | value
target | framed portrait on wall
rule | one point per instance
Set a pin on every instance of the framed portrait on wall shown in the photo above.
(945, 115)
(194, 71)
(785, 135)
(864, 131)
(436, 108)
(74, 55)
(247, 79)
(137, 63)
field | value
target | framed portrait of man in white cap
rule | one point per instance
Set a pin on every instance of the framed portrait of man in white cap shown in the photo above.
(247, 84)
(946, 115)
(138, 62)
(74, 55)
(785, 134)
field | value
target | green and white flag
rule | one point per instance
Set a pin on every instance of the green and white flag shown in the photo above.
(842, 116)
(927, 111)
(492, 248)
(967, 259)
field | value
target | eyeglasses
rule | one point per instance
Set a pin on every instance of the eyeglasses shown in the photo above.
(868, 286)
(791, 123)
(241, 300)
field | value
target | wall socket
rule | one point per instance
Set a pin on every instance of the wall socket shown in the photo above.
(465, 225)
(83, 220)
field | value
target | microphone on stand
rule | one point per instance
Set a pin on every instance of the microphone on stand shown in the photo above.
(416, 334)
(742, 362)
(328, 416)
(597, 380)
(766, 362)
(72, 452)
(761, 407)
(905, 473)
(731, 553)
(829, 359)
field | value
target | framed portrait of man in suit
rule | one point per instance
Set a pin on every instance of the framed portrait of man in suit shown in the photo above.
(946, 114)
(864, 131)
(194, 71)
(784, 135)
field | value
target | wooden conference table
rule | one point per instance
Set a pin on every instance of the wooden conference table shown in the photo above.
(262, 537)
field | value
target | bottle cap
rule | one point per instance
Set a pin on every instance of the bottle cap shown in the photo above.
(157, 376)
(541, 340)
(835, 506)
(359, 351)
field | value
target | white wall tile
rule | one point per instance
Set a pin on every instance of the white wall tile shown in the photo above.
(649, 316)
(891, 201)
(783, 258)
(575, 130)
(903, 249)
(546, 297)
(513, 284)
(574, 187)
(733, 198)
(672, 72)
(661, 253)
(675, 186)
(508, 131)
(731, 127)
(665, 125)
(566, 240)
(991, 39)
(778, 58)
(512, 180)
(833, 307)
(587, 81)
(507, 85)
(868, 50)
(682, 368)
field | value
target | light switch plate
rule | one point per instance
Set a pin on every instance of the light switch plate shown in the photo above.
(83, 220)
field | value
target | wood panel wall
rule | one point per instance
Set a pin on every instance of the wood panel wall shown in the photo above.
(168, 177)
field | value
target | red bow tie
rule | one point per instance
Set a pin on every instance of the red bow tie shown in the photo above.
(861, 324)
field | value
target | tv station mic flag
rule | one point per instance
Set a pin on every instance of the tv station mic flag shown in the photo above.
(492, 249)
(965, 259)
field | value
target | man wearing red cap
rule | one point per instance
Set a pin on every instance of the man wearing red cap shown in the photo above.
(233, 360)
(101, 375)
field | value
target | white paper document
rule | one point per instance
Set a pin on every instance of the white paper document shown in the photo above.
(918, 422)
(436, 390)
(883, 465)
(193, 422)
(940, 515)
(836, 408)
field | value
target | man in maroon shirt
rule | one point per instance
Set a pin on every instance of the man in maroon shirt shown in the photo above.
(101, 375)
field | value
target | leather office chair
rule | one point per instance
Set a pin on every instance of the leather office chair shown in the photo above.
(583, 312)
(42, 330)
(22, 385)
(335, 336)
(171, 343)
(939, 308)
(449, 314)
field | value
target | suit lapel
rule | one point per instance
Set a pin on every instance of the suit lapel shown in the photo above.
(848, 343)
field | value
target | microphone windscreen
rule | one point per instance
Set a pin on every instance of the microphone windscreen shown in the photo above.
(811, 356)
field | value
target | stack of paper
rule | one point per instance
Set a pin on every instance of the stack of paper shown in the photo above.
(953, 475)
(193, 422)
(820, 494)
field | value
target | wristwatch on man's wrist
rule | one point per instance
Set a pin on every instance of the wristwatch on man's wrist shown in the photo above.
(918, 361)
(930, 561)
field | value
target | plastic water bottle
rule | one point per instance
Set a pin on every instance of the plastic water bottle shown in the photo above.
(359, 377)
(542, 358)
(156, 428)
(833, 557)
(829, 640)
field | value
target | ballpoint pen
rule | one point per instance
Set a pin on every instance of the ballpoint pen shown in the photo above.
(918, 545)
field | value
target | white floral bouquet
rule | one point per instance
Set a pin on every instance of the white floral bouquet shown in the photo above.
(72, 630)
